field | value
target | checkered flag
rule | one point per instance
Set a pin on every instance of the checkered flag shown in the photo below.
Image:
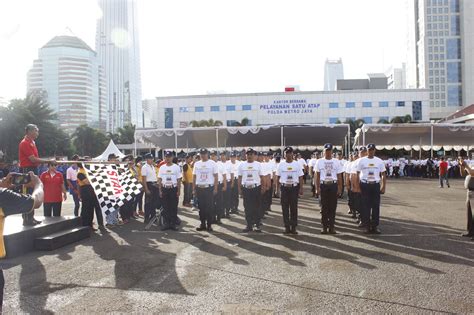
(114, 184)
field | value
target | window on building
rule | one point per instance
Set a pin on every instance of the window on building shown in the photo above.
(455, 25)
(453, 48)
(350, 104)
(383, 104)
(333, 120)
(400, 104)
(436, 65)
(443, 95)
(367, 120)
(199, 109)
(215, 108)
(428, 26)
(431, 80)
(416, 110)
(436, 72)
(454, 95)
(437, 80)
(230, 108)
(183, 109)
(454, 72)
(333, 105)
(428, 11)
(430, 49)
(367, 104)
(454, 6)
(168, 118)
(246, 107)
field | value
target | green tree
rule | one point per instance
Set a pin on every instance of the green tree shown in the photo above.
(244, 122)
(401, 119)
(205, 123)
(354, 125)
(383, 121)
(89, 141)
(126, 134)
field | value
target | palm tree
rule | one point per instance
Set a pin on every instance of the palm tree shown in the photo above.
(89, 141)
(383, 121)
(401, 120)
(126, 134)
(354, 125)
(244, 122)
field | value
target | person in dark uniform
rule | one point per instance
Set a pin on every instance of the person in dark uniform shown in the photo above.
(150, 187)
(205, 186)
(221, 188)
(15, 203)
(251, 178)
(355, 185)
(468, 170)
(89, 200)
(372, 178)
(328, 182)
(29, 162)
(169, 181)
(289, 176)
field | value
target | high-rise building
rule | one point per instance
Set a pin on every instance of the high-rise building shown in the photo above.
(396, 77)
(68, 76)
(333, 71)
(119, 54)
(441, 39)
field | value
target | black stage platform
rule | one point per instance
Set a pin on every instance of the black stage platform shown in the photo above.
(52, 233)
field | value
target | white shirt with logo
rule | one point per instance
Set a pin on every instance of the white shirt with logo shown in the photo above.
(370, 169)
(205, 172)
(234, 167)
(150, 173)
(289, 172)
(302, 163)
(169, 175)
(328, 169)
(250, 173)
(221, 171)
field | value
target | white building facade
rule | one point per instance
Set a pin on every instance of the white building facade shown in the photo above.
(68, 76)
(333, 71)
(288, 108)
(440, 58)
(118, 49)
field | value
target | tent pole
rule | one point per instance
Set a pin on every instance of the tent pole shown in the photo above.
(217, 139)
(363, 136)
(134, 144)
(176, 142)
(348, 140)
(282, 144)
(432, 141)
(419, 155)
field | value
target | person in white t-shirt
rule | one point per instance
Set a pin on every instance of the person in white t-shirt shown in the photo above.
(303, 165)
(268, 171)
(329, 183)
(276, 186)
(150, 186)
(355, 185)
(205, 186)
(347, 181)
(372, 177)
(289, 176)
(251, 179)
(221, 188)
(466, 168)
(169, 182)
(227, 194)
(311, 165)
(234, 199)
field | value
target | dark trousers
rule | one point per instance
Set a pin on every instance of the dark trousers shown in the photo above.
(289, 205)
(227, 196)
(234, 204)
(206, 204)
(470, 217)
(442, 179)
(350, 201)
(138, 202)
(188, 193)
(328, 204)
(75, 197)
(126, 210)
(152, 202)
(267, 199)
(52, 207)
(28, 217)
(219, 202)
(370, 214)
(252, 205)
(356, 198)
(89, 205)
(170, 205)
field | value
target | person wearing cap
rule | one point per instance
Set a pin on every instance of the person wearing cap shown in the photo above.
(71, 178)
(169, 183)
(276, 184)
(234, 198)
(347, 183)
(268, 171)
(372, 178)
(227, 194)
(251, 178)
(311, 166)
(328, 184)
(188, 181)
(467, 169)
(221, 188)
(343, 162)
(150, 186)
(303, 165)
(289, 175)
(205, 186)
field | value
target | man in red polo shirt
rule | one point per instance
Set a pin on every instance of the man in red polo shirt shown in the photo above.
(29, 161)
(443, 172)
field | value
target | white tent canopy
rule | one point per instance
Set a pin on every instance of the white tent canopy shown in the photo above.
(111, 149)
(424, 136)
(274, 136)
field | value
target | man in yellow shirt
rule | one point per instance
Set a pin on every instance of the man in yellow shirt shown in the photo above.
(188, 181)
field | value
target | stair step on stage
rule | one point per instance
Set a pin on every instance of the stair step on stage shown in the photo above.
(63, 238)
(20, 239)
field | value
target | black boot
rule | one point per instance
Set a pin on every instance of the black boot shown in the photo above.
(287, 230)
(293, 230)
(202, 227)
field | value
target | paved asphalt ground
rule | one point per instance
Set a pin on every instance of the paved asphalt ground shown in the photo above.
(420, 264)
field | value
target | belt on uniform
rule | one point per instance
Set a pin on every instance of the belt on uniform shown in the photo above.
(370, 183)
(289, 185)
(152, 183)
(170, 186)
(328, 182)
(204, 186)
(250, 186)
